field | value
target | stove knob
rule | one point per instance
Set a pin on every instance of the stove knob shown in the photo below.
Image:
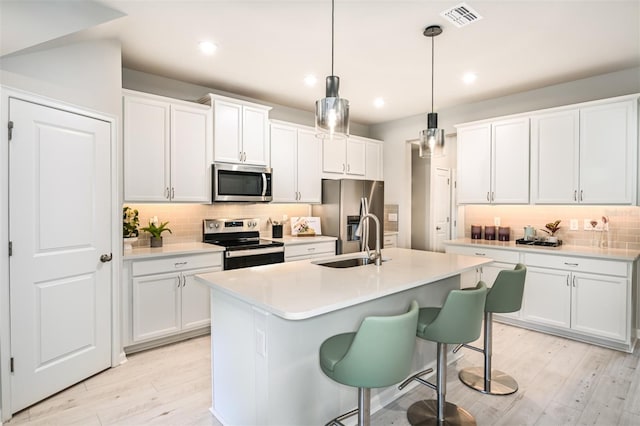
(217, 225)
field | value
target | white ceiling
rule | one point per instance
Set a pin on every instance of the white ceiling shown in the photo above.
(267, 47)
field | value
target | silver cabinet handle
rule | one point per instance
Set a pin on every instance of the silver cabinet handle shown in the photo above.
(480, 254)
(581, 195)
(348, 167)
(106, 258)
(311, 249)
(493, 196)
(173, 192)
(571, 264)
(344, 169)
(166, 193)
(488, 199)
(567, 280)
(575, 195)
(184, 280)
(179, 281)
(574, 280)
(180, 264)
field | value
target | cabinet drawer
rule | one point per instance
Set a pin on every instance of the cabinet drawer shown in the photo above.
(578, 264)
(175, 263)
(506, 256)
(310, 249)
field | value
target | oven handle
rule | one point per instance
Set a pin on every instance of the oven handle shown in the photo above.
(254, 252)
(264, 184)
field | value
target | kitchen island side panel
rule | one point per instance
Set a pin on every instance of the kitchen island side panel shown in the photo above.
(265, 369)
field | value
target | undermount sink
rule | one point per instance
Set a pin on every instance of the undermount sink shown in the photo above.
(348, 263)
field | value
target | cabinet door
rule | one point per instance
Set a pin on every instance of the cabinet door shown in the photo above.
(309, 167)
(146, 149)
(607, 153)
(555, 145)
(255, 135)
(155, 306)
(356, 157)
(227, 131)
(510, 161)
(474, 164)
(547, 297)
(334, 154)
(196, 304)
(283, 163)
(373, 161)
(599, 305)
(190, 154)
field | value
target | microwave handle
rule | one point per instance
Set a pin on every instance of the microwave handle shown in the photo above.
(264, 184)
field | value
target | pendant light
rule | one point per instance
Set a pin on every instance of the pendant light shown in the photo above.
(432, 138)
(332, 112)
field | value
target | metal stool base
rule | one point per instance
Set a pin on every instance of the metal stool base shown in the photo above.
(425, 413)
(501, 383)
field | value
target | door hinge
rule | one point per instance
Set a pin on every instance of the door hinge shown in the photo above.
(11, 364)
(10, 248)
(10, 126)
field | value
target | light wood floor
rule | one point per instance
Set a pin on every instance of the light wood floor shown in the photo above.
(562, 382)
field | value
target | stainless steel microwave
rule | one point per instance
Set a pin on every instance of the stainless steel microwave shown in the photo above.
(239, 182)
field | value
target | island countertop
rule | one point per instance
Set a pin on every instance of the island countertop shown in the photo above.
(304, 289)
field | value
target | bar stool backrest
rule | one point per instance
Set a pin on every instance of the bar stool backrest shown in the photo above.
(381, 352)
(460, 318)
(506, 293)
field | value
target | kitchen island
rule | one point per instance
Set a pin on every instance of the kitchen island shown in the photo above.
(268, 323)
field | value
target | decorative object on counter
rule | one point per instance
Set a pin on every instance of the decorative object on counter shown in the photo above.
(604, 237)
(476, 232)
(156, 231)
(276, 228)
(504, 233)
(130, 222)
(305, 226)
(529, 233)
(431, 139)
(551, 229)
(594, 240)
(332, 112)
(489, 232)
(537, 242)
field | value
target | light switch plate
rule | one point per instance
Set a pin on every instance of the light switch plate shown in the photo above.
(573, 224)
(393, 217)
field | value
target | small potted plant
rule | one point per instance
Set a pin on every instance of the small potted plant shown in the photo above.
(156, 231)
(551, 229)
(130, 222)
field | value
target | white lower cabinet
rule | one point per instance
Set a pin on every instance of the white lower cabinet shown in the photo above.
(588, 299)
(390, 241)
(165, 298)
(311, 250)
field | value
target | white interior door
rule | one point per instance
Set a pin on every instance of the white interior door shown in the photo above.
(440, 208)
(59, 226)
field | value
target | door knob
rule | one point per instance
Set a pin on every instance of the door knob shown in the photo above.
(438, 228)
(106, 258)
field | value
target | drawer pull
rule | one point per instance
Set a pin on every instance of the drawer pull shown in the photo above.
(180, 264)
(480, 254)
(571, 264)
(311, 249)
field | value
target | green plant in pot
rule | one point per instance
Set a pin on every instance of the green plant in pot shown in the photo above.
(156, 231)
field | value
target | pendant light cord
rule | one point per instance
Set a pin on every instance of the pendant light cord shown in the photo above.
(432, 60)
(332, 29)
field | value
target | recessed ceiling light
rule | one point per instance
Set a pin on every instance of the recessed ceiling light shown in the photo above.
(469, 77)
(378, 102)
(310, 80)
(207, 47)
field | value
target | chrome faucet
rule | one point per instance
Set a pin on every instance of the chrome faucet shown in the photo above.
(377, 256)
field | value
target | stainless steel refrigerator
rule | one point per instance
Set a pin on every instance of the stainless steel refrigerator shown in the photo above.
(344, 201)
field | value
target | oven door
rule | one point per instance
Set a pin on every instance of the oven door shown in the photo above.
(237, 259)
(235, 182)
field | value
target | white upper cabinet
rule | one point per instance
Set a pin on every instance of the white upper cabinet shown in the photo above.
(585, 155)
(296, 163)
(240, 131)
(373, 160)
(493, 162)
(344, 158)
(167, 149)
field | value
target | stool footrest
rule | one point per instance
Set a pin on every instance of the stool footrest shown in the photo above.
(417, 378)
(338, 420)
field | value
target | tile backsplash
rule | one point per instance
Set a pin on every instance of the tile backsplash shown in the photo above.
(624, 222)
(185, 220)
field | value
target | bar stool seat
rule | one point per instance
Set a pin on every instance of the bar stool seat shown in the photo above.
(378, 355)
(459, 320)
(504, 296)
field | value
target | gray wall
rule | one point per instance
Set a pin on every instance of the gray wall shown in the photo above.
(150, 83)
(397, 153)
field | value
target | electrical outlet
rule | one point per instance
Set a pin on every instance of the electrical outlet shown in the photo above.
(496, 221)
(393, 217)
(587, 225)
(573, 224)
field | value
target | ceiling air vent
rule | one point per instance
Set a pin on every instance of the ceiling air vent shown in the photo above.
(461, 15)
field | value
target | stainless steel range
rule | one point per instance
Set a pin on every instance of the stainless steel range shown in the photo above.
(242, 242)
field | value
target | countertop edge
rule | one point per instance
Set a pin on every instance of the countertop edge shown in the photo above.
(170, 250)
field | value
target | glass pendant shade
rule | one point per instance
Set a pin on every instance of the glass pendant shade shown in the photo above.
(332, 113)
(432, 138)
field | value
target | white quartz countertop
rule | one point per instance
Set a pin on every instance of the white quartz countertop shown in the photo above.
(292, 240)
(303, 289)
(563, 250)
(170, 250)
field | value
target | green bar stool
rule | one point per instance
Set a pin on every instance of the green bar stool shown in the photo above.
(378, 355)
(503, 297)
(459, 320)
